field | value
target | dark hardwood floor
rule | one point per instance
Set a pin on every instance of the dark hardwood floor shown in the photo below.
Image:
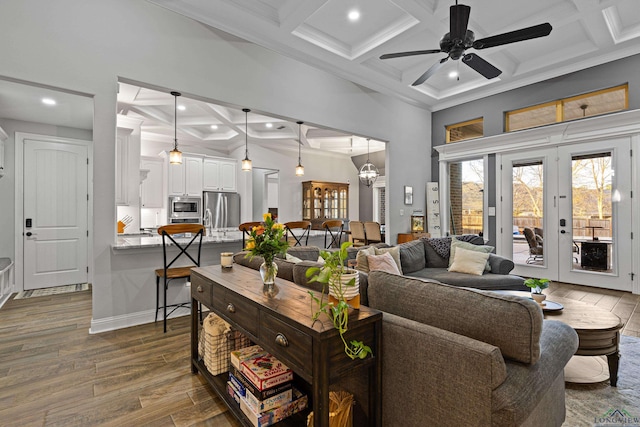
(53, 373)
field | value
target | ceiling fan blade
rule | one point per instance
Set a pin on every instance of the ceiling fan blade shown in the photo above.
(411, 53)
(528, 33)
(481, 66)
(458, 21)
(430, 72)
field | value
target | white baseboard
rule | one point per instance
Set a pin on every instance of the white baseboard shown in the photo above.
(133, 319)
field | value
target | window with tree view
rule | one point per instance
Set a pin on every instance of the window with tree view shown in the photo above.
(466, 189)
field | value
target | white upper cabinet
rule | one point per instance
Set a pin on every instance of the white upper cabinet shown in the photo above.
(219, 175)
(186, 179)
(122, 166)
(151, 191)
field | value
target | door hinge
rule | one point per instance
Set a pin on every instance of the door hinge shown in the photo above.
(631, 152)
(632, 235)
(87, 160)
(87, 268)
(631, 194)
(87, 233)
(87, 197)
(500, 166)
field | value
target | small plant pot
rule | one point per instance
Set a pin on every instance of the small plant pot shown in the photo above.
(348, 292)
(539, 298)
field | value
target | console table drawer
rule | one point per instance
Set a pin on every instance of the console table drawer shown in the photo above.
(238, 310)
(201, 290)
(287, 341)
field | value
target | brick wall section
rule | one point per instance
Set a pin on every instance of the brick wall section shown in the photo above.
(455, 196)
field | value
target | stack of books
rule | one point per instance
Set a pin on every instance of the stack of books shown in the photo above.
(263, 387)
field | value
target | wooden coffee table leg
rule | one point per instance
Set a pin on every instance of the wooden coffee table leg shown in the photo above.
(613, 361)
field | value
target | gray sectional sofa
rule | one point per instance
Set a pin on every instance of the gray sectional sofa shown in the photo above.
(459, 357)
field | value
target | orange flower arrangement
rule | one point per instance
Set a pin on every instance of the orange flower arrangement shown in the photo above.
(267, 240)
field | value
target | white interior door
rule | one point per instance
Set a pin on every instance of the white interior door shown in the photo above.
(577, 198)
(55, 213)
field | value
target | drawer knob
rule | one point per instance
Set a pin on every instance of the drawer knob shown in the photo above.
(199, 289)
(282, 341)
(231, 308)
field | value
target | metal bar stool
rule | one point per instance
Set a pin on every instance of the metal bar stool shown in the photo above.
(305, 226)
(333, 229)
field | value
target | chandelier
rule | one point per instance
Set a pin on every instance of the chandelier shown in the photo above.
(368, 172)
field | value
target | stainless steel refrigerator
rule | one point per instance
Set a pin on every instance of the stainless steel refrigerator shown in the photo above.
(220, 211)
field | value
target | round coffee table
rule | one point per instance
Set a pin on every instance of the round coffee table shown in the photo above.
(599, 335)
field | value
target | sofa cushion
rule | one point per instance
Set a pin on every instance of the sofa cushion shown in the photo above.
(412, 256)
(305, 253)
(455, 244)
(291, 258)
(437, 248)
(383, 262)
(510, 323)
(468, 262)
(395, 254)
(488, 281)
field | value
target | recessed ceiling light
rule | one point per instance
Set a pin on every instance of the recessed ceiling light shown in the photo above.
(181, 107)
(354, 15)
(453, 74)
(214, 127)
(48, 101)
(269, 125)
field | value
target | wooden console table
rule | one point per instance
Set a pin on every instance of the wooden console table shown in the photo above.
(282, 325)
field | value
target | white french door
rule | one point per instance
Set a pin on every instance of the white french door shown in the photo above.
(575, 201)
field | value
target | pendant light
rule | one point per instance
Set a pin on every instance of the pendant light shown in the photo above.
(299, 168)
(368, 172)
(175, 156)
(246, 163)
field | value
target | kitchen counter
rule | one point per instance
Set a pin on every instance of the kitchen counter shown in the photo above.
(150, 241)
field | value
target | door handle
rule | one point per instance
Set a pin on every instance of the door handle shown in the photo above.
(563, 231)
(29, 234)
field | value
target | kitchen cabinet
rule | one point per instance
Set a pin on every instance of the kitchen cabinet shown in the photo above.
(322, 201)
(151, 187)
(186, 179)
(219, 174)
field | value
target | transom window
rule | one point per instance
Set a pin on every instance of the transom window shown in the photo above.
(466, 130)
(562, 110)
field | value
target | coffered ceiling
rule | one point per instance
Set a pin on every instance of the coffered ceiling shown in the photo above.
(222, 128)
(585, 33)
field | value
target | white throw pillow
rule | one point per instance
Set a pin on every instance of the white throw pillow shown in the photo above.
(455, 244)
(395, 254)
(469, 262)
(292, 258)
(383, 262)
(362, 264)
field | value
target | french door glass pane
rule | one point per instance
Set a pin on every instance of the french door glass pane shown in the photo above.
(528, 212)
(466, 187)
(592, 208)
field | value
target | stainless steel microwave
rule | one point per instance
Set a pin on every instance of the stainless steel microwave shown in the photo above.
(181, 207)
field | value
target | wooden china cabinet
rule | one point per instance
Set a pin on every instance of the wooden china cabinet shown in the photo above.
(322, 201)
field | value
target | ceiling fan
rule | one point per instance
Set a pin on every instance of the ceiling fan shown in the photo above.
(459, 39)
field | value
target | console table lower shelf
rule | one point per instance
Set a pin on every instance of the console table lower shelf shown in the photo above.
(282, 325)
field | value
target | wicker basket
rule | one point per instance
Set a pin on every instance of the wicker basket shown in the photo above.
(340, 410)
(217, 340)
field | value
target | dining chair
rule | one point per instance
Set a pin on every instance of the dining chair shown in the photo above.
(303, 234)
(332, 229)
(168, 272)
(358, 236)
(372, 232)
(246, 227)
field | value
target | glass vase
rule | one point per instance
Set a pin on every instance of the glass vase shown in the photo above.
(268, 272)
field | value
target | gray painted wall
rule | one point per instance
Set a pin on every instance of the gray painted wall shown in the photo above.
(86, 45)
(494, 107)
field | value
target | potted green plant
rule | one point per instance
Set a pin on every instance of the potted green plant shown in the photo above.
(537, 285)
(341, 283)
